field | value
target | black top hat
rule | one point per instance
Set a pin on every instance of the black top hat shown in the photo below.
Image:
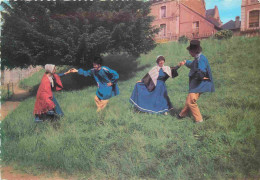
(194, 45)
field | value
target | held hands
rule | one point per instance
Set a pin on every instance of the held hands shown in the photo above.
(67, 72)
(109, 84)
(182, 63)
(73, 70)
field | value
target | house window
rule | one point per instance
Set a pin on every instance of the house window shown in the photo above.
(163, 29)
(163, 11)
(196, 26)
(254, 18)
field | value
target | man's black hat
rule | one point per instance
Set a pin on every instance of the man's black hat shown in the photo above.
(194, 45)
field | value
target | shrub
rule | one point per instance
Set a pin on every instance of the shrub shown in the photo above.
(223, 34)
(4, 93)
(183, 39)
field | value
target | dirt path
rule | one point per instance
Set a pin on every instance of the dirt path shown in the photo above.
(8, 173)
(18, 96)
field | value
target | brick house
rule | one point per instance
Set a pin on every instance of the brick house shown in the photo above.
(213, 16)
(250, 16)
(233, 26)
(183, 18)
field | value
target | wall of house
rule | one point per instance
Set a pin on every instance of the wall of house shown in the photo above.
(196, 5)
(179, 20)
(171, 20)
(217, 16)
(243, 15)
(187, 17)
(246, 7)
(172, 12)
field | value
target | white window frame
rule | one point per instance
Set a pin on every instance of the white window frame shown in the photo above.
(161, 12)
(248, 13)
(165, 30)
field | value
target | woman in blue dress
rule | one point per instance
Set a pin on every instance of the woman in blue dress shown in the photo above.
(150, 94)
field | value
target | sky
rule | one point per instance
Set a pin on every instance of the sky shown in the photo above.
(228, 9)
(1, 8)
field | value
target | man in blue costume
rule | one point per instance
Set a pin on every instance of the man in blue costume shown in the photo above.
(106, 79)
(200, 80)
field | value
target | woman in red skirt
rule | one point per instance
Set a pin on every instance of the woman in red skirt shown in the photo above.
(46, 105)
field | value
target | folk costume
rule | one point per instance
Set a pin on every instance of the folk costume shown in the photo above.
(200, 81)
(102, 77)
(150, 95)
(46, 105)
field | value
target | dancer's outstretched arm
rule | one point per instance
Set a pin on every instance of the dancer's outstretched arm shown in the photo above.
(82, 72)
(62, 74)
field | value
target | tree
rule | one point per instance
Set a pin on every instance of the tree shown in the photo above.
(72, 33)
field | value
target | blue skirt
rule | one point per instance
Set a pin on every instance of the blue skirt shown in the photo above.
(50, 114)
(57, 107)
(156, 101)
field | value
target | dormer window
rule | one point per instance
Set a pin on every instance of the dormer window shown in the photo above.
(163, 11)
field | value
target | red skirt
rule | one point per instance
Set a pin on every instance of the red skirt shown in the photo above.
(44, 96)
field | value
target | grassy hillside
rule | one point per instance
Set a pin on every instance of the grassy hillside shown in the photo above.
(121, 144)
(32, 80)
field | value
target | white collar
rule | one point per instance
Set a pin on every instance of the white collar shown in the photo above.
(197, 56)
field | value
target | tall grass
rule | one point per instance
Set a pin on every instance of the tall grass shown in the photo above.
(119, 143)
(31, 81)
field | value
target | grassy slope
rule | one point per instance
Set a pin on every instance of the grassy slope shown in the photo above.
(119, 143)
(31, 81)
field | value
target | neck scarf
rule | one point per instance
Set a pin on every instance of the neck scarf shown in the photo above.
(154, 72)
(49, 69)
(197, 56)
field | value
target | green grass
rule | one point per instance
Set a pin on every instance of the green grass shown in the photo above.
(121, 144)
(33, 80)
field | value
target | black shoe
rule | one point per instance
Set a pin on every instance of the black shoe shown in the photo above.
(179, 117)
(37, 119)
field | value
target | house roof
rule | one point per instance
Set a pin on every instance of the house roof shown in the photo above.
(210, 12)
(231, 25)
(213, 21)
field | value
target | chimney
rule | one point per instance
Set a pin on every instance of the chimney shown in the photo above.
(215, 12)
(237, 22)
